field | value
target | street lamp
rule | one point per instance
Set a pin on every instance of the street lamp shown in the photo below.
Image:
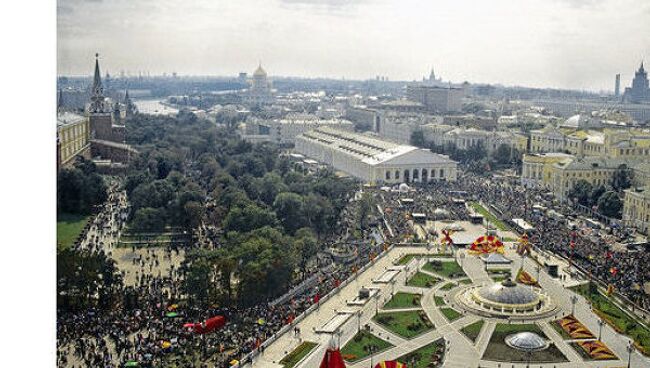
(629, 354)
(392, 287)
(377, 302)
(539, 272)
(574, 300)
(600, 329)
(359, 313)
(371, 349)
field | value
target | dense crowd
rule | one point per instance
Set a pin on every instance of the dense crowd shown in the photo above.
(146, 332)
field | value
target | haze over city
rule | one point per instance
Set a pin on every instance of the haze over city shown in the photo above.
(578, 44)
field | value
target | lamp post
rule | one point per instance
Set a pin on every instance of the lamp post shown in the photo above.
(600, 329)
(629, 354)
(371, 349)
(574, 300)
(377, 302)
(359, 313)
(539, 272)
(392, 287)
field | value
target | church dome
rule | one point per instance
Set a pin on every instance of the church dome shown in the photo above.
(526, 341)
(508, 292)
(259, 72)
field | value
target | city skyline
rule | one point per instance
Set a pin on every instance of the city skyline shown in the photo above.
(550, 45)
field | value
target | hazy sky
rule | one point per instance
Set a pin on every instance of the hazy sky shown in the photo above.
(578, 44)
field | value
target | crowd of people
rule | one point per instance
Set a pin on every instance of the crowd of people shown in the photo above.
(149, 329)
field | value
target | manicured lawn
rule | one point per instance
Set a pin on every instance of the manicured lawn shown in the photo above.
(405, 324)
(357, 348)
(448, 286)
(498, 350)
(472, 331)
(450, 313)
(422, 280)
(446, 269)
(428, 356)
(617, 318)
(403, 300)
(465, 281)
(439, 300)
(498, 278)
(556, 326)
(297, 354)
(487, 215)
(68, 228)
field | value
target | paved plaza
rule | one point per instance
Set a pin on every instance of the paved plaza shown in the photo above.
(338, 320)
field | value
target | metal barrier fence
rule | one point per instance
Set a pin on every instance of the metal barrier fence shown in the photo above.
(248, 358)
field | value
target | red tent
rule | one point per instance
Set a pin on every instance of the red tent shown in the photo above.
(207, 326)
(332, 359)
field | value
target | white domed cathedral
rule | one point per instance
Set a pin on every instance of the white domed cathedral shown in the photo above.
(260, 90)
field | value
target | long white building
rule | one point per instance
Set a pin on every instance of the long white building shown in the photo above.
(284, 131)
(373, 160)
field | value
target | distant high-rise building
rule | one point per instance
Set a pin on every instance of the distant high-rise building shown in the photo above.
(617, 86)
(640, 90)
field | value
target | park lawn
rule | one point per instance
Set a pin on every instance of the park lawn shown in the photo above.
(403, 300)
(465, 281)
(556, 326)
(450, 313)
(622, 322)
(422, 280)
(489, 216)
(439, 300)
(68, 228)
(497, 349)
(498, 278)
(357, 348)
(294, 357)
(472, 331)
(448, 286)
(428, 356)
(406, 324)
(446, 269)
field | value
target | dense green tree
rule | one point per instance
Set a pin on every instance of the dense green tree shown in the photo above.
(289, 208)
(366, 204)
(249, 218)
(147, 220)
(610, 204)
(86, 279)
(596, 193)
(581, 192)
(503, 154)
(622, 178)
(80, 189)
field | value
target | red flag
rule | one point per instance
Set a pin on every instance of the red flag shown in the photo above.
(337, 282)
(572, 244)
(290, 318)
(258, 342)
(316, 298)
(608, 255)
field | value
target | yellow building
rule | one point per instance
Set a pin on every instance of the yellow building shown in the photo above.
(596, 171)
(73, 137)
(636, 208)
(537, 168)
